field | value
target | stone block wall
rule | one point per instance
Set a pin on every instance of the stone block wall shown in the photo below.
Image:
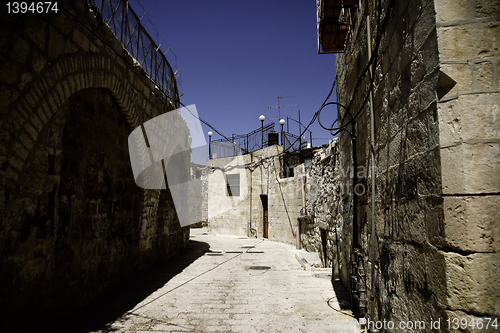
(198, 191)
(435, 101)
(73, 222)
(469, 234)
(283, 196)
(323, 194)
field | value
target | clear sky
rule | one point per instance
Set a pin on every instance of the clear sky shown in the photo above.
(236, 57)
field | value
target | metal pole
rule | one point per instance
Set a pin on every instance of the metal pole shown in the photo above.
(372, 134)
(210, 147)
(300, 134)
(279, 109)
(282, 137)
(232, 143)
(250, 217)
(262, 131)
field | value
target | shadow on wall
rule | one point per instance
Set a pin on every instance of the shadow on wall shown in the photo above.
(123, 298)
(85, 231)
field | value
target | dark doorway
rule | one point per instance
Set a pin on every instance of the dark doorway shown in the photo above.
(265, 222)
(323, 247)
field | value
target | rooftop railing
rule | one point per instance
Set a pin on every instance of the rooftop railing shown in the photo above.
(241, 144)
(126, 25)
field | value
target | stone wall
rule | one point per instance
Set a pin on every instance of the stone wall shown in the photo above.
(285, 203)
(73, 222)
(435, 101)
(199, 173)
(323, 194)
(468, 237)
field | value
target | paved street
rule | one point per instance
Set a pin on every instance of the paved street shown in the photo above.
(220, 284)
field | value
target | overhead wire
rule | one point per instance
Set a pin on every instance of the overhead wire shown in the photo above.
(178, 100)
(315, 115)
(373, 59)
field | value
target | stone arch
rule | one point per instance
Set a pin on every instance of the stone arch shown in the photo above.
(61, 80)
(49, 61)
(44, 96)
(35, 261)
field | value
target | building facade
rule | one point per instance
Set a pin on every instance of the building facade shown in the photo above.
(247, 196)
(418, 85)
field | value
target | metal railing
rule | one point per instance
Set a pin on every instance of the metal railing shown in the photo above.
(241, 144)
(290, 142)
(127, 27)
(220, 149)
(294, 143)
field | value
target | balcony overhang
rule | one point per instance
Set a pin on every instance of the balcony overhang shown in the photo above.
(332, 34)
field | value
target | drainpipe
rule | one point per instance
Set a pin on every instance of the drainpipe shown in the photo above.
(297, 241)
(372, 150)
(355, 243)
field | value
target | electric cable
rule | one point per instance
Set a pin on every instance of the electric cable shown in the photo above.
(368, 65)
(340, 311)
(191, 279)
(321, 109)
(315, 115)
(373, 59)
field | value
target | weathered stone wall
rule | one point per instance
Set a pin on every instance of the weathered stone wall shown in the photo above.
(285, 203)
(423, 269)
(323, 192)
(198, 188)
(73, 222)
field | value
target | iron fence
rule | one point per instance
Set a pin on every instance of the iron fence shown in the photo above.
(294, 143)
(221, 149)
(290, 142)
(126, 25)
(241, 144)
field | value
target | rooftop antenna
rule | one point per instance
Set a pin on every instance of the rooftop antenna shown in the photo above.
(279, 106)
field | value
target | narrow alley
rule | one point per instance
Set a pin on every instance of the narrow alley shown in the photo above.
(221, 284)
(331, 162)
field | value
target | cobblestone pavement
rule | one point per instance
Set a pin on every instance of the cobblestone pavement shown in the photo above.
(220, 284)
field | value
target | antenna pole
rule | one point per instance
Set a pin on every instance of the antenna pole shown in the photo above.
(279, 105)
(279, 109)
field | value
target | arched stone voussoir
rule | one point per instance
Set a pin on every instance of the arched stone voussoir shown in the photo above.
(70, 75)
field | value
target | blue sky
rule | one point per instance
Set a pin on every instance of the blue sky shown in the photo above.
(236, 58)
